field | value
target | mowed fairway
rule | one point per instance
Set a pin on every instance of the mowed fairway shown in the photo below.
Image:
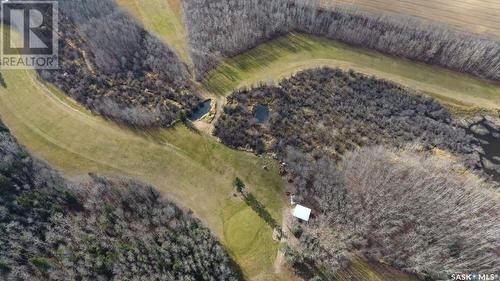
(192, 169)
(480, 16)
(163, 18)
(289, 54)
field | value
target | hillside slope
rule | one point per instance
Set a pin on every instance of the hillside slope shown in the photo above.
(163, 18)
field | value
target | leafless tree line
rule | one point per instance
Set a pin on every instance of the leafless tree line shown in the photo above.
(113, 66)
(223, 28)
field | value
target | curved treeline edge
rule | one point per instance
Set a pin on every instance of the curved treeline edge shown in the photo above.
(223, 28)
(97, 228)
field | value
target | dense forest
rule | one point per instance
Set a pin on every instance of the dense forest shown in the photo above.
(96, 229)
(223, 28)
(389, 174)
(113, 66)
(336, 111)
(420, 213)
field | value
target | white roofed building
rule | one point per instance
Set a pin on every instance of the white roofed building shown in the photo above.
(301, 212)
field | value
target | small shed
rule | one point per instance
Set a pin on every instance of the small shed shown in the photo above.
(301, 212)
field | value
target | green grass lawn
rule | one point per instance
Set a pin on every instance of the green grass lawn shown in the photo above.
(289, 54)
(163, 18)
(191, 168)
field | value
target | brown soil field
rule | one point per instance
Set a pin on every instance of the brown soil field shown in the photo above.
(479, 16)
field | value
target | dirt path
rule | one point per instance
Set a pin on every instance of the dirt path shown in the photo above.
(280, 265)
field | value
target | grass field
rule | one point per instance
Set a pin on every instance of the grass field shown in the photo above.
(480, 16)
(164, 18)
(192, 169)
(286, 55)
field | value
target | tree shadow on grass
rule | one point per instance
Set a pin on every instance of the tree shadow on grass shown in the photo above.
(260, 209)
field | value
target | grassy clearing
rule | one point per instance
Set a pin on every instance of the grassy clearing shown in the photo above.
(164, 18)
(481, 16)
(192, 169)
(286, 55)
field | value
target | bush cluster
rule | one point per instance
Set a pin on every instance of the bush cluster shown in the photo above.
(333, 111)
(408, 207)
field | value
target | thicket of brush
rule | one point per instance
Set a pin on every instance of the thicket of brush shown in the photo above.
(334, 111)
(424, 214)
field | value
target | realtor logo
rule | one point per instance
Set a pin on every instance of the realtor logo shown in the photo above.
(29, 39)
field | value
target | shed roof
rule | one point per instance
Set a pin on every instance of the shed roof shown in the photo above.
(302, 212)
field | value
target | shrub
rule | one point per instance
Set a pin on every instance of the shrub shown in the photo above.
(7, 188)
(4, 268)
(110, 64)
(332, 111)
(43, 264)
(239, 184)
(297, 230)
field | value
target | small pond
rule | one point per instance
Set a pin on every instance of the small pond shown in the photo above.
(261, 113)
(202, 109)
